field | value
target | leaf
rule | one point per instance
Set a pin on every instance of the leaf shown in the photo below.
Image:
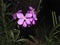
(8, 5)
(17, 36)
(54, 29)
(23, 40)
(33, 39)
(12, 34)
(55, 32)
(53, 19)
(37, 11)
(39, 5)
(48, 39)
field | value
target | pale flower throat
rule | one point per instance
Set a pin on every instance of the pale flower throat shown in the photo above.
(24, 18)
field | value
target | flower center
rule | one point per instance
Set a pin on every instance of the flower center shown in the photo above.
(24, 18)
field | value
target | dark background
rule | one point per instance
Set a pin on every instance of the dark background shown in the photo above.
(44, 22)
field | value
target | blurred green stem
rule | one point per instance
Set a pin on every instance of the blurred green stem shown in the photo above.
(54, 24)
(39, 6)
(54, 29)
(3, 17)
(53, 19)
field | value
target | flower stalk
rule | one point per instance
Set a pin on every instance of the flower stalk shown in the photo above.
(3, 17)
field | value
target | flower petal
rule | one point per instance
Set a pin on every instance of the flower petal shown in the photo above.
(24, 24)
(33, 22)
(28, 15)
(14, 16)
(31, 8)
(20, 21)
(31, 19)
(28, 21)
(34, 16)
(20, 15)
(20, 11)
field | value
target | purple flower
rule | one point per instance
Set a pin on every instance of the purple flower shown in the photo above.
(15, 15)
(33, 14)
(24, 20)
(27, 20)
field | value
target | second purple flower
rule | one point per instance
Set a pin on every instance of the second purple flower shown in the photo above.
(29, 19)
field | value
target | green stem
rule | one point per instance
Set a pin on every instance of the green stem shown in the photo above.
(3, 18)
(38, 6)
(53, 19)
(55, 33)
(54, 29)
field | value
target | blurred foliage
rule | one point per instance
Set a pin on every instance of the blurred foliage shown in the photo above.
(10, 32)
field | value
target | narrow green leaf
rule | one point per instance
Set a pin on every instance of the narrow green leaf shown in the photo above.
(54, 29)
(8, 5)
(33, 39)
(23, 40)
(53, 19)
(39, 5)
(17, 36)
(56, 32)
(12, 34)
(47, 39)
(37, 11)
